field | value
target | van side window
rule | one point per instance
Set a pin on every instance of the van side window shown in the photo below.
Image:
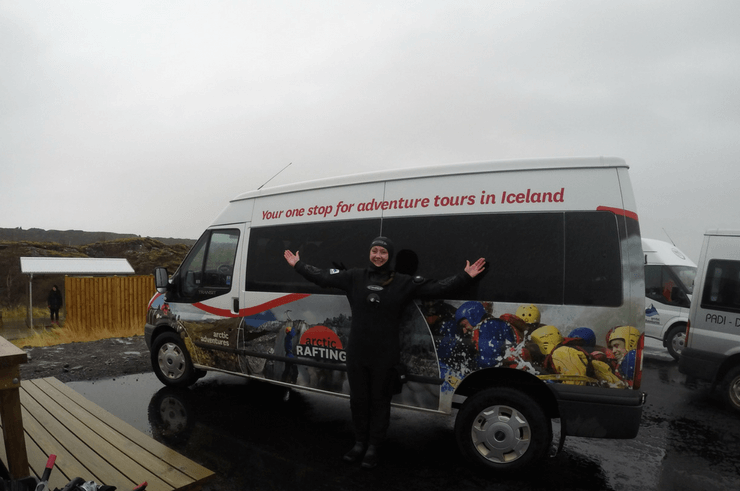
(722, 286)
(664, 286)
(556, 258)
(525, 252)
(339, 245)
(593, 259)
(209, 268)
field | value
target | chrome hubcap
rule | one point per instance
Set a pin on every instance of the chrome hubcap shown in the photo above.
(171, 361)
(501, 434)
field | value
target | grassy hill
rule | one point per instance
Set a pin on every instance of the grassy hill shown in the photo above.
(142, 253)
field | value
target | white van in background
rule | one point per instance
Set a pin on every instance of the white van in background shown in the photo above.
(558, 315)
(669, 282)
(712, 349)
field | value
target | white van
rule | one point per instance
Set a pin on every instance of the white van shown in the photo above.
(565, 277)
(712, 349)
(669, 282)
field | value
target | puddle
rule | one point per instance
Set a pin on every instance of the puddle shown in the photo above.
(126, 397)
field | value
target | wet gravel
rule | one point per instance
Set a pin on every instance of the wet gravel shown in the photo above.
(92, 360)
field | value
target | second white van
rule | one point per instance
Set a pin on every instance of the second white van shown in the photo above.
(712, 350)
(669, 283)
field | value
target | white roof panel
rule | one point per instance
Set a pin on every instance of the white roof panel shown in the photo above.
(75, 265)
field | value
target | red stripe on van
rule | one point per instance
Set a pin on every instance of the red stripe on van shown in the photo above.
(156, 296)
(619, 211)
(252, 310)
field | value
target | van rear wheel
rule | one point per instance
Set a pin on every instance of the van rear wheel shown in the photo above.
(502, 429)
(731, 388)
(675, 340)
(171, 361)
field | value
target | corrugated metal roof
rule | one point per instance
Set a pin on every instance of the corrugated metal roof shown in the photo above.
(75, 265)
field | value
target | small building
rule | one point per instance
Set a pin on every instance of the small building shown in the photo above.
(75, 266)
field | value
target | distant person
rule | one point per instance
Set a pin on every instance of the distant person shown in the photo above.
(55, 303)
(377, 296)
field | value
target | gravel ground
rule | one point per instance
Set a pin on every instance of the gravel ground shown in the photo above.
(106, 358)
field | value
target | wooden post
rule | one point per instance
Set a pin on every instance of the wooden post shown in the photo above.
(10, 408)
(30, 300)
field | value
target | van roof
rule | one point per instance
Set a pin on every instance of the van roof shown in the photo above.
(717, 231)
(661, 252)
(440, 170)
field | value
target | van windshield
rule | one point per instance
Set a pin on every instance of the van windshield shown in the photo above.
(686, 275)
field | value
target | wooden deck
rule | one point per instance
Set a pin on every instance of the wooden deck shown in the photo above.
(93, 444)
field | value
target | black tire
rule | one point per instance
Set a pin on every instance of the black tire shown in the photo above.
(171, 361)
(675, 340)
(731, 388)
(502, 429)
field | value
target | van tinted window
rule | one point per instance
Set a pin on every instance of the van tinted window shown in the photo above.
(554, 258)
(340, 245)
(722, 286)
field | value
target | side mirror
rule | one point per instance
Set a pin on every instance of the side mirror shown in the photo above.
(161, 279)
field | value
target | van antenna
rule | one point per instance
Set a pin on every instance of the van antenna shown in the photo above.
(273, 177)
(669, 238)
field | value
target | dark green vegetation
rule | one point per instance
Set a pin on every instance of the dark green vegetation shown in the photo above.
(142, 253)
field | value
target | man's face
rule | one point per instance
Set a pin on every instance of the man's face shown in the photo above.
(378, 256)
(466, 327)
(619, 348)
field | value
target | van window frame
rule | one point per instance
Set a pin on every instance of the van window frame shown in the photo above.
(212, 277)
(722, 286)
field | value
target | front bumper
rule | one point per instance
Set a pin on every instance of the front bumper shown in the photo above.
(703, 365)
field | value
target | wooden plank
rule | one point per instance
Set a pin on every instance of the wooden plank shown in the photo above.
(57, 480)
(91, 443)
(67, 463)
(10, 354)
(149, 467)
(63, 442)
(194, 471)
(90, 432)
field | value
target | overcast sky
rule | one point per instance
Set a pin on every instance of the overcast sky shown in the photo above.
(146, 117)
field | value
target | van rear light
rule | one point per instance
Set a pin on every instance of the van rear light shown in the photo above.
(688, 326)
(637, 378)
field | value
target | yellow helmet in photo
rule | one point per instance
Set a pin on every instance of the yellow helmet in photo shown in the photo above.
(630, 335)
(547, 338)
(529, 314)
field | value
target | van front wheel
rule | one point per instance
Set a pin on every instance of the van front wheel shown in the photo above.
(171, 361)
(675, 340)
(503, 429)
(731, 388)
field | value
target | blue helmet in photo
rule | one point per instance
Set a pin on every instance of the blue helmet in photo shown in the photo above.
(584, 333)
(472, 311)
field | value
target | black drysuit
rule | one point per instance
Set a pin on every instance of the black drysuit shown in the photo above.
(374, 345)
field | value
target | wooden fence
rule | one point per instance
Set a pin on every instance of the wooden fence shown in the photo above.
(110, 301)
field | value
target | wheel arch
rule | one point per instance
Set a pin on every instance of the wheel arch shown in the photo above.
(669, 327)
(728, 364)
(510, 378)
(159, 330)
